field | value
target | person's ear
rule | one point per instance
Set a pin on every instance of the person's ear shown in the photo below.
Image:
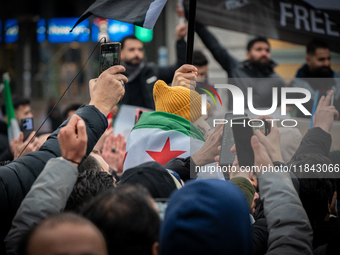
(253, 180)
(308, 59)
(248, 55)
(154, 248)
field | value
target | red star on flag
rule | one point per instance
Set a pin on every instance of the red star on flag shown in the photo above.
(125, 156)
(165, 155)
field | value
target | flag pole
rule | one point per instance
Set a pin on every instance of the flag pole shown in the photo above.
(191, 31)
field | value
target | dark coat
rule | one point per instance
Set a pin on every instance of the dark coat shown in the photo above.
(242, 74)
(305, 79)
(5, 153)
(326, 234)
(17, 177)
(139, 89)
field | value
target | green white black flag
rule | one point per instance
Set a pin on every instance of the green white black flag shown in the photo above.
(12, 123)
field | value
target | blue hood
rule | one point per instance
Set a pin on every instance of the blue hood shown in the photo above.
(206, 217)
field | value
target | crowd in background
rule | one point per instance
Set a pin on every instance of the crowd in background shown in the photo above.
(82, 190)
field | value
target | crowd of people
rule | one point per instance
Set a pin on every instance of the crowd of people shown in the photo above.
(83, 190)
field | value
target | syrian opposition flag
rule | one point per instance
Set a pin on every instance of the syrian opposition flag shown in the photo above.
(13, 129)
(143, 13)
(161, 136)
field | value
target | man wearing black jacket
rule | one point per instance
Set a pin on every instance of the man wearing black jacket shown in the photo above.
(253, 72)
(143, 75)
(317, 76)
(17, 177)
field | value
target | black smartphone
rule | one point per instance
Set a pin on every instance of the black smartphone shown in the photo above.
(242, 136)
(109, 55)
(27, 127)
(226, 157)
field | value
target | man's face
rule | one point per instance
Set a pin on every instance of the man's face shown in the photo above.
(319, 63)
(202, 72)
(23, 111)
(253, 205)
(260, 52)
(68, 239)
(133, 52)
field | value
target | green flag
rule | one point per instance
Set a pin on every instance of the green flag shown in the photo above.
(12, 123)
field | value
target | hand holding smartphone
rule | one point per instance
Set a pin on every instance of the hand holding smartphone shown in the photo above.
(242, 136)
(27, 127)
(239, 130)
(226, 157)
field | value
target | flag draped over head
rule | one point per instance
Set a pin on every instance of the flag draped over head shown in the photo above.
(143, 13)
(160, 136)
(12, 123)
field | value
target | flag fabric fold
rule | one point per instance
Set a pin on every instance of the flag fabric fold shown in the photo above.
(143, 13)
(294, 21)
(13, 129)
(160, 136)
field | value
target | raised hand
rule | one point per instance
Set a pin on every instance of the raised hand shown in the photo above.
(73, 140)
(325, 114)
(107, 90)
(17, 145)
(185, 76)
(113, 152)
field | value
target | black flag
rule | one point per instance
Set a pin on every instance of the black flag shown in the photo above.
(294, 21)
(143, 13)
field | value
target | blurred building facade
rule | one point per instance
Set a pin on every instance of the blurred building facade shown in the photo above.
(43, 69)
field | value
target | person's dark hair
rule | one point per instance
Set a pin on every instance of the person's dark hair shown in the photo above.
(316, 195)
(49, 223)
(315, 44)
(17, 101)
(90, 163)
(255, 40)
(316, 189)
(71, 107)
(129, 37)
(89, 184)
(199, 59)
(126, 218)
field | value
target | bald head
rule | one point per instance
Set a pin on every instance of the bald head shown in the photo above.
(67, 234)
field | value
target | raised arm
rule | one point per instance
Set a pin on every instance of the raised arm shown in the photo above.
(220, 53)
(288, 225)
(17, 177)
(318, 139)
(166, 73)
(53, 186)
